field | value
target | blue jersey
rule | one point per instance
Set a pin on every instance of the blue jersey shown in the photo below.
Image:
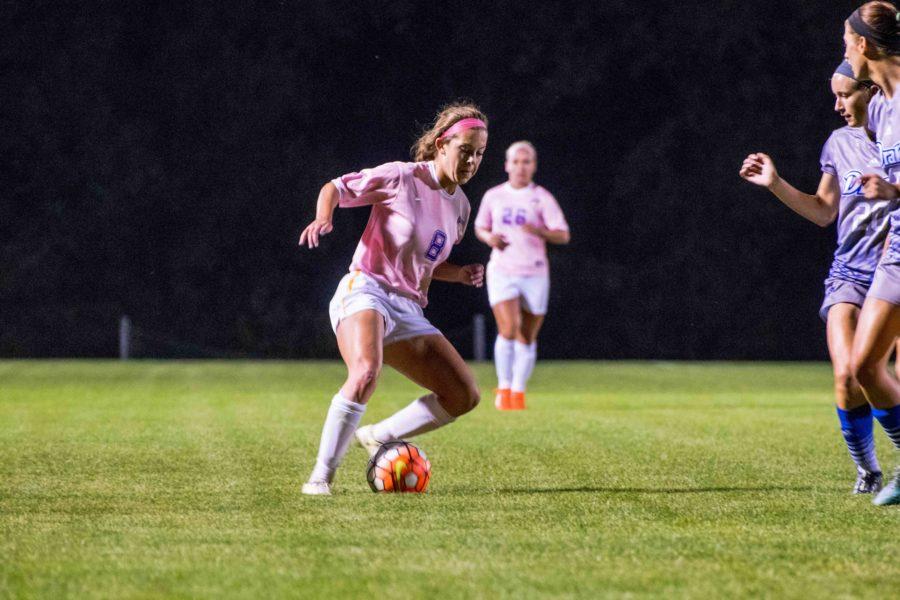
(862, 224)
(884, 120)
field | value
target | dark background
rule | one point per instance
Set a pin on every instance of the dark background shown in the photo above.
(160, 159)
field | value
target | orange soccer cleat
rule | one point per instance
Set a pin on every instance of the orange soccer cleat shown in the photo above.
(517, 401)
(502, 399)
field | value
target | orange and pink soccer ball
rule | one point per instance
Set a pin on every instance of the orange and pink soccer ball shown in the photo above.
(399, 467)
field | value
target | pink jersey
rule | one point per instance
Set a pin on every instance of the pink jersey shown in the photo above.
(412, 227)
(504, 209)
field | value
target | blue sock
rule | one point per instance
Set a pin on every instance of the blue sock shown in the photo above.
(856, 426)
(890, 421)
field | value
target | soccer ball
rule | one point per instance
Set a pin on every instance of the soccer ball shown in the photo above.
(399, 467)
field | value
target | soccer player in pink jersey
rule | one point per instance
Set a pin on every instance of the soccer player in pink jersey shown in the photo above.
(418, 213)
(517, 219)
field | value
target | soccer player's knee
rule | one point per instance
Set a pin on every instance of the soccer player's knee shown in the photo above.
(526, 337)
(864, 371)
(509, 330)
(472, 398)
(365, 374)
(843, 376)
(461, 400)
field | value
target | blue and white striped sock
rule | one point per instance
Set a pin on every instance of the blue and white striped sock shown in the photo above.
(856, 426)
(890, 421)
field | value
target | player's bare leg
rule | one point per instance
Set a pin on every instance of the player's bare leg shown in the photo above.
(433, 363)
(507, 315)
(897, 359)
(853, 410)
(529, 327)
(879, 325)
(840, 330)
(359, 340)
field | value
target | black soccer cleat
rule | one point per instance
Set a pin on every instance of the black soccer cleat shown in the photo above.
(868, 482)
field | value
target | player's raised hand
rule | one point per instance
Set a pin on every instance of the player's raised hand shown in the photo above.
(760, 169)
(874, 188)
(472, 274)
(313, 231)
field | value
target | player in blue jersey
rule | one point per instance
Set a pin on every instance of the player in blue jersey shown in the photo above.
(872, 47)
(862, 225)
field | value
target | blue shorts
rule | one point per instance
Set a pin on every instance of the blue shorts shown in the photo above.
(886, 285)
(841, 291)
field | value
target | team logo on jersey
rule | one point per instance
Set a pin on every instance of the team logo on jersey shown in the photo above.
(852, 184)
(890, 157)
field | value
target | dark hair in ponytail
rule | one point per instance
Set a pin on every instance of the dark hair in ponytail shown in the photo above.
(880, 22)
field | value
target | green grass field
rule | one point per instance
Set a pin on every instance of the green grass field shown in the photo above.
(181, 479)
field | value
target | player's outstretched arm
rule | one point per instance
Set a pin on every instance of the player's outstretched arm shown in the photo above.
(328, 201)
(472, 274)
(821, 209)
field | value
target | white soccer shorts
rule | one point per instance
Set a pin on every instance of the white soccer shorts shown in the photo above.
(534, 290)
(403, 318)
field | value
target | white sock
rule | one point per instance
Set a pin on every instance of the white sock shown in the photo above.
(420, 416)
(340, 424)
(523, 364)
(504, 351)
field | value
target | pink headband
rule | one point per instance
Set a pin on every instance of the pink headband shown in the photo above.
(462, 125)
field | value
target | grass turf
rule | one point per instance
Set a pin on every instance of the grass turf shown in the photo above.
(149, 479)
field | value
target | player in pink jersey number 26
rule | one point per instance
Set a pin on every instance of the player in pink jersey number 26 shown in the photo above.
(517, 219)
